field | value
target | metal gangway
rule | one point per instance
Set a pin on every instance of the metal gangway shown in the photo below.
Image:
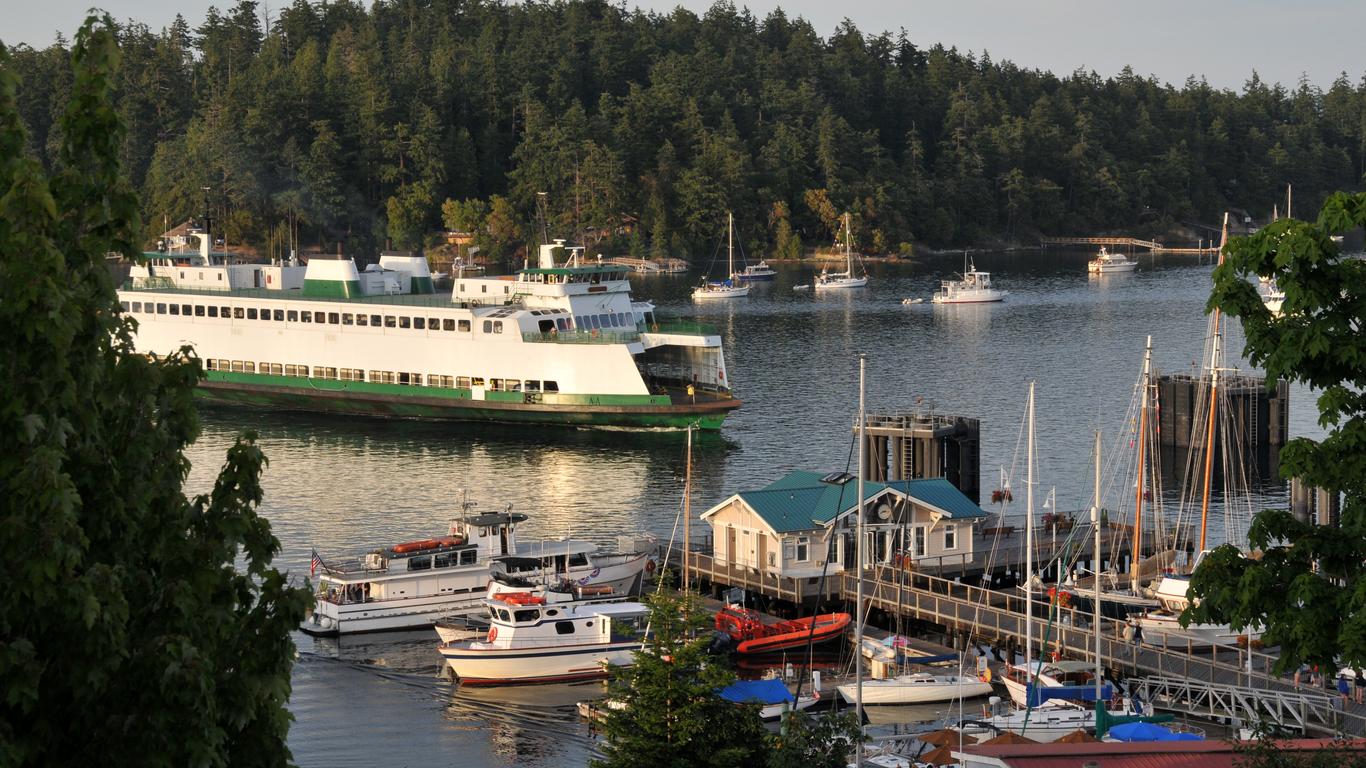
(1299, 709)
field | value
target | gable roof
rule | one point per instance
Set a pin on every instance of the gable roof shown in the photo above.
(802, 501)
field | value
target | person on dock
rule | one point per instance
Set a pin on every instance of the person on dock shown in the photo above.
(1299, 673)
(1360, 687)
(1344, 688)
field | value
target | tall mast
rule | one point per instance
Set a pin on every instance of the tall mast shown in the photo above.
(848, 246)
(687, 513)
(1137, 554)
(858, 557)
(1029, 538)
(1095, 564)
(730, 244)
(1287, 207)
(1214, 393)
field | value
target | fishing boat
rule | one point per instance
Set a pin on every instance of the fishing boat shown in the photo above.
(412, 584)
(1106, 262)
(730, 288)
(752, 635)
(973, 287)
(558, 343)
(532, 641)
(756, 272)
(834, 281)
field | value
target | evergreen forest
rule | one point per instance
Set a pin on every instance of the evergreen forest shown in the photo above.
(339, 126)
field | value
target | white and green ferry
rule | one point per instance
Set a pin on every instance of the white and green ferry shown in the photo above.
(553, 344)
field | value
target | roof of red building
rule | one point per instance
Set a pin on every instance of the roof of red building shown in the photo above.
(1166, 754)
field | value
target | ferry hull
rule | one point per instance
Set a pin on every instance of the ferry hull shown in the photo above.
(425, 403)
(482, 664)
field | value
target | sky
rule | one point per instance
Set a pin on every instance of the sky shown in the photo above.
(1221, 40)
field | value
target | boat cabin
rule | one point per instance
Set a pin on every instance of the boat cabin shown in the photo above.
(793, 525)
(521, 619)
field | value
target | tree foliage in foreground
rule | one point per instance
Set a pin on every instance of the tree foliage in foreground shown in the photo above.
(1308, 588)
(673, 716)
(128, 633)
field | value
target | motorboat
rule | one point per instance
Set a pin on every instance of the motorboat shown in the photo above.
(974, 287)
(1272, 295)
(756, 272)
(460, 627)
(1106, 262)
(772, 695)
(531, 640)
(752, 635)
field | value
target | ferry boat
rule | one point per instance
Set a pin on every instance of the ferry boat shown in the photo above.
(532, 641)
(412, 584)
(557, 343)
(1106, 262)
(974, 288)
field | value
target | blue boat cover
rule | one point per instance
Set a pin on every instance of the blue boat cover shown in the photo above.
(760, 691)
(1037, 696)
(1149, 732)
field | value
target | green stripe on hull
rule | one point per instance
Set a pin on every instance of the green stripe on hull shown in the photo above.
(434, 403)
(332, 289)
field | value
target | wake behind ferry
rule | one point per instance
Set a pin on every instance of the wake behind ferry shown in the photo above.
(560, 344)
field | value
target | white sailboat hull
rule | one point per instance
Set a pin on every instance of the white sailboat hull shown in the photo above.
(733, 292)
(1166, 629)
(774, 711)
(917, 689)
(1043, 725)
(841, 283)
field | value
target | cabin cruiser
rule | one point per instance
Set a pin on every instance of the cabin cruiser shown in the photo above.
(1106, 262)
(973, 288)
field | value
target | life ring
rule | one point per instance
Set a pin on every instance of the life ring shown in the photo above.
(649, 566)
(1055, 656)
(493, 634)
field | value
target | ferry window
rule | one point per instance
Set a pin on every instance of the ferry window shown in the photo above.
(224, 365)
(248, 367)
(292, 316)
(251, 313)
(496, 385)
(419, 563)
(389, 321)
(265, 315)
(527, 615)
(497, 326)
(404, 322)
(441, 561)
(279, 315)
(464, 326)
(532, 385)
(488, 326)
(462, 287)
(477, 381)
(237, 366)
(199, 310)
(210, 364)
(133, 307)
(238, 313)
(223, 312)
(564, 627)
(362, 319)
(467, 557)
(578, 558)
(484, 288)
(220, 277)
(305, 317)
(403, 378)
(175, 309)
(420, 323)
(447, 325)
(325, 373)
(551, 386)
(213, 311)
(504, 615)
(560, 323)
(182, 274)
(462, 382)
(552, 612)
(333, 318)
(513, 385)
(348, 318)
(433, 323)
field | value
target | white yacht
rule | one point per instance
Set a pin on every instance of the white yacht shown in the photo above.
(731, 287)
(1106, 262)
(833, 281)
(410, 585)
(1163, 626)
(1272, 295)
(973, 288)
(465, 626)
(917, 688)
(755, 272)
(530, 640)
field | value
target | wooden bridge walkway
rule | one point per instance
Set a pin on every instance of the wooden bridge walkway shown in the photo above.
(1131, 242)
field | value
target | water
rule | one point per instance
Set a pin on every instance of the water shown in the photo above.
(346, 485)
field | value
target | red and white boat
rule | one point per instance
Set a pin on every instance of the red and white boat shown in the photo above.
(752, 635)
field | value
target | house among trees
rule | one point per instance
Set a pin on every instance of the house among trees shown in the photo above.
(787, 527)
(178, 238)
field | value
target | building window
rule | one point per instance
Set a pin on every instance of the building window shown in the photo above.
(803, 547)
(950, 537)
(918, 541)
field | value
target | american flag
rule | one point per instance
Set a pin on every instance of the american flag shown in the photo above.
(315, 563)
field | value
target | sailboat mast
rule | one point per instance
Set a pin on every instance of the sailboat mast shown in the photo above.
(730, 243)
(848, 246)
(687, 513)
(1029, 538)
(1136, 555)
(858, 557)
(1214, 394)
(1095, 564)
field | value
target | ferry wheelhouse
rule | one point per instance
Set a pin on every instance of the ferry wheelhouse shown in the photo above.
(553, 344)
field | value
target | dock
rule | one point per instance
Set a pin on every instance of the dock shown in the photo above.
(1126, 242)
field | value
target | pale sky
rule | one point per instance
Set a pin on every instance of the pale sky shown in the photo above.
(1223, 40)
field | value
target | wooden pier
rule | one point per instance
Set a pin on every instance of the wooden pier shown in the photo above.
(1123, 242)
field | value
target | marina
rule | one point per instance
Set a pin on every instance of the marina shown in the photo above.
(626, 490)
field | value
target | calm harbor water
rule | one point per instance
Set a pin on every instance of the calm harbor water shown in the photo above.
(347, 485)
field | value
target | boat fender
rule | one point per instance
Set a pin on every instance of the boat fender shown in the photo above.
(493, 634)
(986, 675)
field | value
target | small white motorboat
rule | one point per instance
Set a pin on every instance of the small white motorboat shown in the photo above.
(912, 301)
(1106, 262)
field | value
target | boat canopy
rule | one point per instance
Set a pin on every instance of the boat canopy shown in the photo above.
(1040, 694)
(757, 691)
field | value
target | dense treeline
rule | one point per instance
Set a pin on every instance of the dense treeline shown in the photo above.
(342, 124)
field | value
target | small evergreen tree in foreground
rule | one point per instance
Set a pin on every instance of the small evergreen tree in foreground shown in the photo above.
(128, 634)
(1308, 587)
(672, 715)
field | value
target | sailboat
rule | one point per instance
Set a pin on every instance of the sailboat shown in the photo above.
(1272, 295)
(830, 281)
(730, 288)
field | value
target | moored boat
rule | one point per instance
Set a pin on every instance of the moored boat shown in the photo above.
(756, 272)
(731, 287)
(917, 688)
(752, 635)
(532, 641)
(832, 281)
(974, 287)
(1106, 262)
